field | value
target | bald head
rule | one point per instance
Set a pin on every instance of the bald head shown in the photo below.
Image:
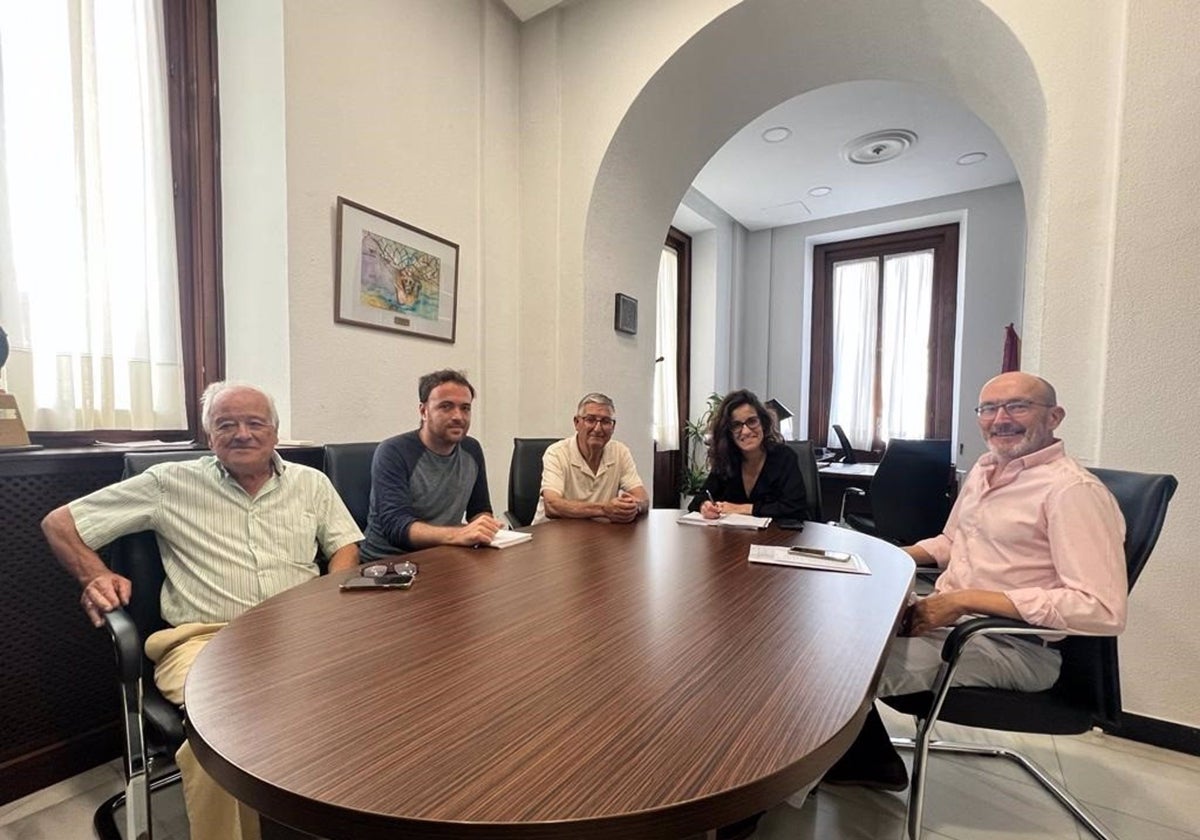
(1042, 390)
(1018, 413)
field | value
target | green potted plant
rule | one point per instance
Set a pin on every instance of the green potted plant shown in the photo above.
(695, 450)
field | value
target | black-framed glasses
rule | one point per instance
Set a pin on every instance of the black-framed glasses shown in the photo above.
(750, 423)
(1013, 408)
(602, 422)
(378, 570)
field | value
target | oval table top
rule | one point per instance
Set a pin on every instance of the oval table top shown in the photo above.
(608, 681)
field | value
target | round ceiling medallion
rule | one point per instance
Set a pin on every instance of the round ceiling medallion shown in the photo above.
(879, 146)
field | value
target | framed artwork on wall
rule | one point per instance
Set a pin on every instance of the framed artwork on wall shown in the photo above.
(392, 276)
(625, 314)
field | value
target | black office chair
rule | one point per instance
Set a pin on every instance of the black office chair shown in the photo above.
(910, 493)
(525, 479)
(151, 725)
(806, 456)
(348, 466)
(1088, 691)
(847, 456)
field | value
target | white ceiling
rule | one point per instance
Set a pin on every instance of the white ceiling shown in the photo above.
(525, 9)
(765, 185)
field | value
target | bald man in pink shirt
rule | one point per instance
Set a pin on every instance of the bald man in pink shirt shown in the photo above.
(1033, 536)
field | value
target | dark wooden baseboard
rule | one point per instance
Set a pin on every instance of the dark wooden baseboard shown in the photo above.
(1158, 733)
(36, 770)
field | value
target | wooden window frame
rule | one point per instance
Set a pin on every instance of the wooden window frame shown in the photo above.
(943, 239)
(672, 463)
(190, 30)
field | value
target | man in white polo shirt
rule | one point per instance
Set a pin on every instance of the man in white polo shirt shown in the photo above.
(234, 528)
(590, 475)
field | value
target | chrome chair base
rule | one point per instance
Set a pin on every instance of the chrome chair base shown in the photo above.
(137, 816)
(1031, 767)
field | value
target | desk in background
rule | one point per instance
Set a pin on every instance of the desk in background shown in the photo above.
(600, 681)
(835, 478)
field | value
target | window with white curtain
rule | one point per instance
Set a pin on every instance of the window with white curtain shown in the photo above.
(888, 326)
(883, 337)
(89, 286)
(666, 384)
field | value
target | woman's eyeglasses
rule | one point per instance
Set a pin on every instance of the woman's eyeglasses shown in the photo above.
(750, 423)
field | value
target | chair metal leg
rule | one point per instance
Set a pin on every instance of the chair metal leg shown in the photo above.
(104, 821)
(916, 795)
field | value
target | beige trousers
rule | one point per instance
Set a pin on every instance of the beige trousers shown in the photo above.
(212, 812)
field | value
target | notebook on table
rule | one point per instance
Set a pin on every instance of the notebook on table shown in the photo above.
(727, 520)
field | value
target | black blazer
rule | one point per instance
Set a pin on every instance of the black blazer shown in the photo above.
(778, 493)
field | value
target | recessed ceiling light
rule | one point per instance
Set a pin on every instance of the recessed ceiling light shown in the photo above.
(879, 146)
(777, 134)
(972, 158)
(817, 192)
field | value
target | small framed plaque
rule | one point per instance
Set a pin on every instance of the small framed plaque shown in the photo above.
(625, 314)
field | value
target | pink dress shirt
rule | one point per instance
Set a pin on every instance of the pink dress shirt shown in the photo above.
(1046, 533)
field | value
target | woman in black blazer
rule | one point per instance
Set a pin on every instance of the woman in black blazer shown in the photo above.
(752, 471)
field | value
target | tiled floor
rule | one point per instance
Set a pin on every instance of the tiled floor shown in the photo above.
(1138, 792)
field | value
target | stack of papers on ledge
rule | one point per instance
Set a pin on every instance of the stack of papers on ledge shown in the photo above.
(504, 538)
(782, 555)
(727, 520)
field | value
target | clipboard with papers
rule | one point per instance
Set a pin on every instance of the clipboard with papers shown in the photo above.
(805, 557)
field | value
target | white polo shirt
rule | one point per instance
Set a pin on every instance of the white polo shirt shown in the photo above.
(565, 471)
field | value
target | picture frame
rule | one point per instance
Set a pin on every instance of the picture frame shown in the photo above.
(625, 314)
(393, 276)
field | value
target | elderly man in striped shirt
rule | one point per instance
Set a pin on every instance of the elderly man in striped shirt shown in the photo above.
(234, 528)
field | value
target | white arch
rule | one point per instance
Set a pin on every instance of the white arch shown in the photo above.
(763, 52)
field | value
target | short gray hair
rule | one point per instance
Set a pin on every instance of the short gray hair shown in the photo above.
(215, 389)
(595, 398)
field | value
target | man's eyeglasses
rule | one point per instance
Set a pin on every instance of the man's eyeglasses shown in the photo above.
(383, 576)
(602, 422)
(1013, 408)
(375, 570)
(750, 423)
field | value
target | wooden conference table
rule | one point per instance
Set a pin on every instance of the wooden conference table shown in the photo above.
(600, 681)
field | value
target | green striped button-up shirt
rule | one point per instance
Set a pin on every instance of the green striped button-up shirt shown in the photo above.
(223, 551)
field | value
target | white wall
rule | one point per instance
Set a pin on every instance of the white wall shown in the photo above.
(254, 198)
(718, 242)
(990, 289)
(409, 108)
(1148, 420)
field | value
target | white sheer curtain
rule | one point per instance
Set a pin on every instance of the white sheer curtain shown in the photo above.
(855, 326)
(904, 368)
(666, 388)
(88, 285)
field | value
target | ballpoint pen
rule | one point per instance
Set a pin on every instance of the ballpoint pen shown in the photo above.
(713, 502)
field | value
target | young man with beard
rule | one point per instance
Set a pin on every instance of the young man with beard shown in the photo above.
(589, 475)
(1033, 536)
(425, 482)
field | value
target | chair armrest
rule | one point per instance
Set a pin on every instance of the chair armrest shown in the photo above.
(127, 644)
(991, 625)
(849, 491)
